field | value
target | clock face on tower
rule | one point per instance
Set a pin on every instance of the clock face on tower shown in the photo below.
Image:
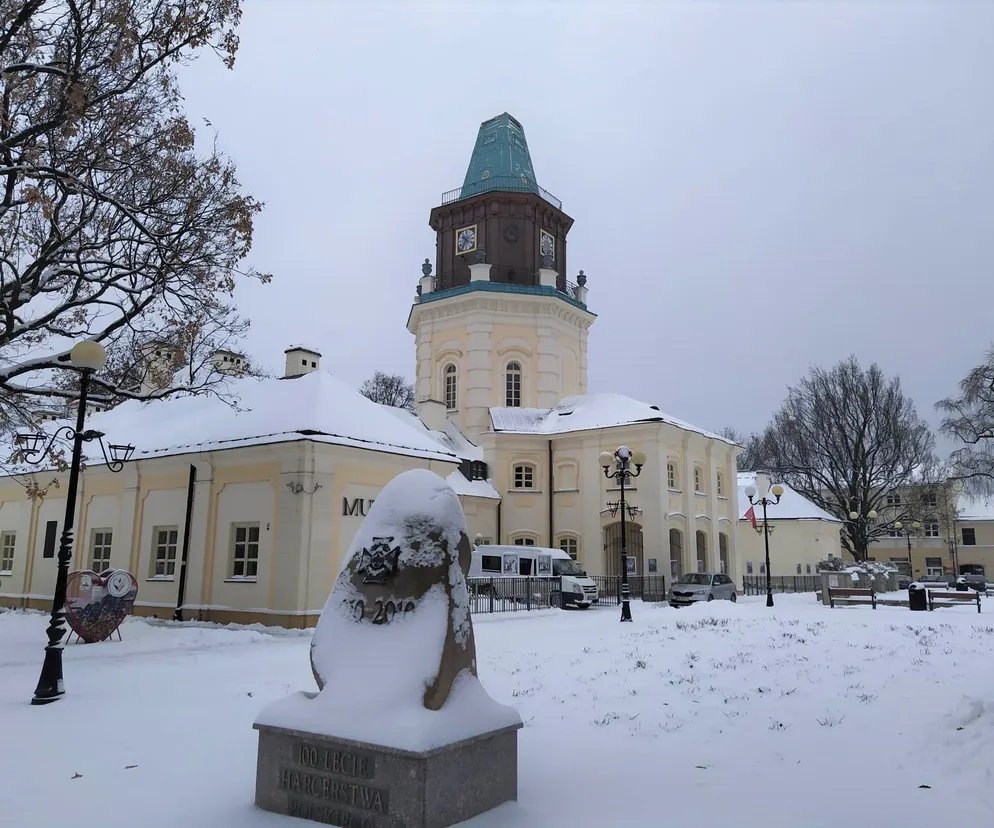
(547, 246)
(465, 240)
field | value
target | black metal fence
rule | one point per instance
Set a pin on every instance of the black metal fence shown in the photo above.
(643, 587)
(501, 594)
(512, 594)
(756, 584)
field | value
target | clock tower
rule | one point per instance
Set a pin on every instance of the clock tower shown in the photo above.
(499, 324)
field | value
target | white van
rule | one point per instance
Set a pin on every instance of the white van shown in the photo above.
(498, 561)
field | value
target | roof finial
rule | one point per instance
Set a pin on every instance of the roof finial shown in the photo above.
(547, 261)
(426, 268)
(581, 278)
(481, 255)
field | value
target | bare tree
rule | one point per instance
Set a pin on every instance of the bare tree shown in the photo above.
(751, 458)
(389, 389)
(846, 438)
(113, 225)
(970, 420)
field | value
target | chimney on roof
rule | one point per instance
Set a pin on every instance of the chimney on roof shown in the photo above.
(300, 361)
(229, 362)
(158, 359)
(432, 414)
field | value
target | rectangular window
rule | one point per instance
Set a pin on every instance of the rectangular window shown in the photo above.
(930, 499)
(931, 529)
(807, 569)
(570, 547)
(671, 475)
(100, 542)
(524, 477)
(969, 536)
(524, 541)
(697, 481)
(165, 539)
(748, 567)
(51, 530)
(798, 569)
(893, 532)
(8, 540)
(894, 499)
(490, 563)
(718, 485)
(762, 569)
(245, 550)
(933, 566)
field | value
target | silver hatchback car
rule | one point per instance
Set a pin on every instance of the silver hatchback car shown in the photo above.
(700, 586)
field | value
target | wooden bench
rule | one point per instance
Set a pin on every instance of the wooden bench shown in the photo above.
(955, 597)
(846, 596)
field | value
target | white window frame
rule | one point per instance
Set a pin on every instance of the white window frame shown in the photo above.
(528, 474)
(930, 529)
(168, 561)
(240, 552)
(524, 540)
(671, 478)
(513, 380)
(101, 539)
(8, 546)
(570, 544)
(719, 485)
(698, 480)
(749, 570)
(930, 500)
(450, 387)
(893, 499)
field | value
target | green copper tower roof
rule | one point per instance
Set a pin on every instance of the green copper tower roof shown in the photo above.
(500, 162)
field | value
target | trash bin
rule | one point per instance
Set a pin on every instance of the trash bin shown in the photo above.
(961, 585)
(917, 598)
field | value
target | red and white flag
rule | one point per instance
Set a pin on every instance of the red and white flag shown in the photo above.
(751, 514)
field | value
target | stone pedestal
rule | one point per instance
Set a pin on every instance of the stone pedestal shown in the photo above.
(358, 785)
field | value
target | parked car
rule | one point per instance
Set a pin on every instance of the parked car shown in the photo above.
(700, 586)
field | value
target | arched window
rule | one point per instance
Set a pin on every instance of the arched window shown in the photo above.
(512, 385)
(671, 475)
(451, 398)
(570, 545)
(702, 551)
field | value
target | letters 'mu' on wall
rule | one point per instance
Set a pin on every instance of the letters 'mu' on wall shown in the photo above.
(358, 507)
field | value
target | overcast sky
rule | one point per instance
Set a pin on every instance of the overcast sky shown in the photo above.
(756, 186)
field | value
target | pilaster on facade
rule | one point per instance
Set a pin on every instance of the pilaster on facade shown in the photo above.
(689, 505)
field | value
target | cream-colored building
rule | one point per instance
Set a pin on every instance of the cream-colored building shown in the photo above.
(801, 534)
(272, 492)
(278, 486)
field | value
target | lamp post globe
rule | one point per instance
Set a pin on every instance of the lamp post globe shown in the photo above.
(88, 355)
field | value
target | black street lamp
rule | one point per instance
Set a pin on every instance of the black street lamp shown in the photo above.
(763, 489)
(87, 356)
(623, 460)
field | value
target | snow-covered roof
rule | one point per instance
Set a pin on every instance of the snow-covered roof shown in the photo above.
(452, 440)
(315, 406)
(974, 508)
(792, 506)
(586, 412)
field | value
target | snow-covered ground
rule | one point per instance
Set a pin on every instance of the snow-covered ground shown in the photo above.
(717, 715)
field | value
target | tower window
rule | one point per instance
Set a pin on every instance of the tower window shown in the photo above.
(450, 387)
(671, 475)
(512, 392)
